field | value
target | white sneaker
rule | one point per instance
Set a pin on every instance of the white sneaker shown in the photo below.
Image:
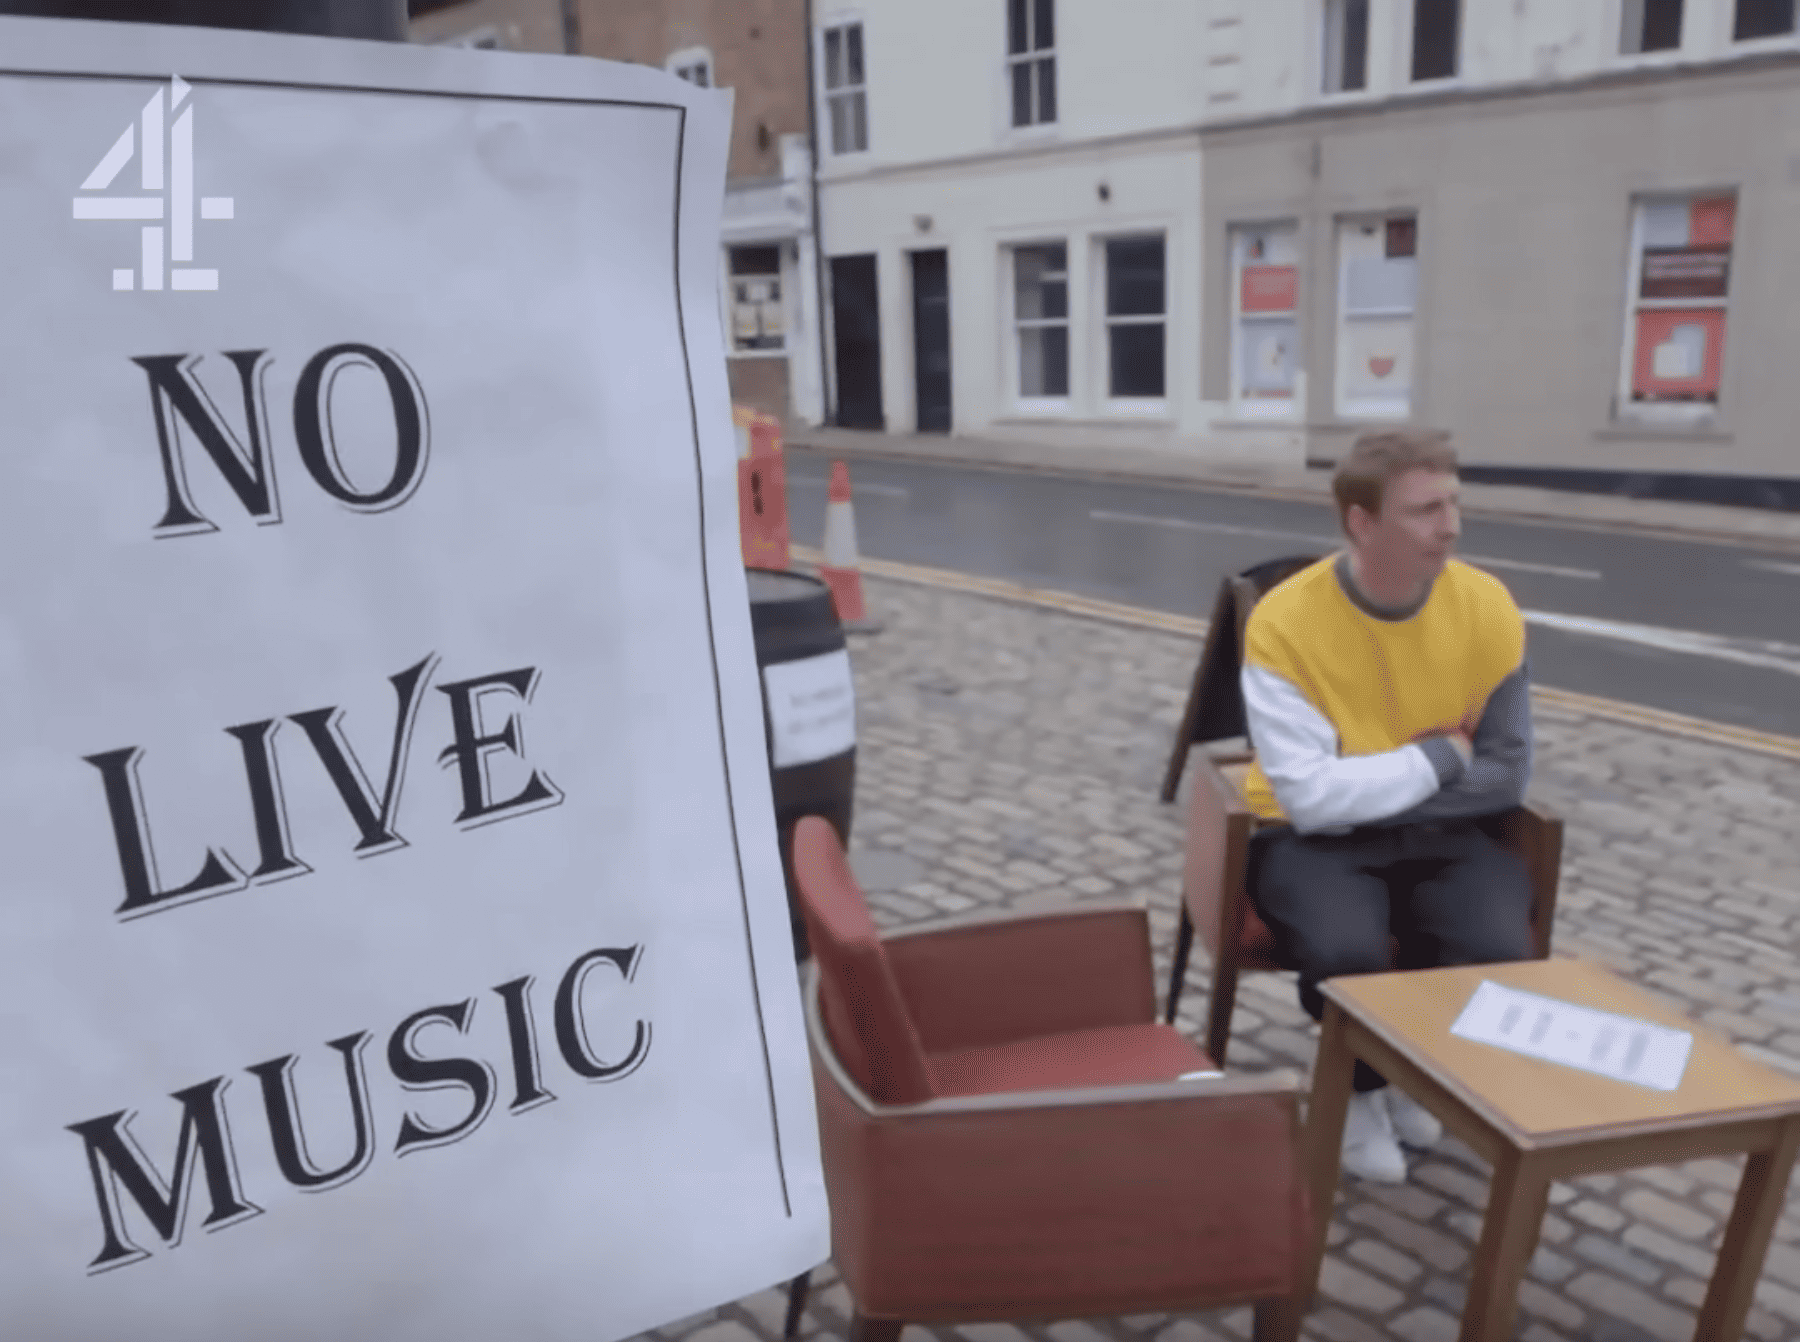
(1413, 1122)
(1370, 1149)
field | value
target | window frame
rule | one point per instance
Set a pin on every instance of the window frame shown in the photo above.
(840, 21)
(488, 37)
(1151, 407)
(780, 247)
(1408, 41)
(1621, 9)
(1035, 58)
(1677, 414)
(1734, 43)
(1276, 408)
(689, 58)
(1045, 406)
(1330, 13)
(1372, 411)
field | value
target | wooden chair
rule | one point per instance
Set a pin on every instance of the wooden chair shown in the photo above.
(1215, 705)
(1215, 897)
(1006, 1134)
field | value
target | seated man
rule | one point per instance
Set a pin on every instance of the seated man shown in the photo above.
(1386, 695)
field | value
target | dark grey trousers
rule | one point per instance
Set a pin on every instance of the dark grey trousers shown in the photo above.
(1446, 891)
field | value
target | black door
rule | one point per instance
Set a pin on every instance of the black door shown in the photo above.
(931, 339)
(856, 319)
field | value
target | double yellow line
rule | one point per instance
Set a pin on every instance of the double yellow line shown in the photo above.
(1137, 617)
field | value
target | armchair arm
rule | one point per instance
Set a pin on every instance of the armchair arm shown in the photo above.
(986, 979)
(1535, 833)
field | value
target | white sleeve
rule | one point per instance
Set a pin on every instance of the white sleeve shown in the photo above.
(1297, 747)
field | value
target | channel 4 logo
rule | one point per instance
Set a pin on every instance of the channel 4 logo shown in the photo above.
(166, 200)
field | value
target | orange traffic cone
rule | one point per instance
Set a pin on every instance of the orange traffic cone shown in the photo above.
(841, 568)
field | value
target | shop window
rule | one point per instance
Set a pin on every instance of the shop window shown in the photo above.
(1265, 348)
(1650, 25)
(1762, 18)
(1041, 320)
(756, 311)
(1136, 307)
(846, 90)
(1680, 276)
(1436, 25)
(1377, 292)
(1031, 60)
(1346, 45)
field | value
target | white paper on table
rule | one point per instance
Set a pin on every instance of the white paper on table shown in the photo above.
(1601, 1042)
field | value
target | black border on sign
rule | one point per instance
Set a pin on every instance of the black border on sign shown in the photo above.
(687, 367)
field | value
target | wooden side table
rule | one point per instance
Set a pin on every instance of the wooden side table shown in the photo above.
(1536, 1122)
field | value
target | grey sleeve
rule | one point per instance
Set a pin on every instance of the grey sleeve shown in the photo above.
(1496, 777)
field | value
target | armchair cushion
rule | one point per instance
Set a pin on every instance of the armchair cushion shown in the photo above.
(870, 1029)
(1114, 1055)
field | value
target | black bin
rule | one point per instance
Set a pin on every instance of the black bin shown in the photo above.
(809, 711)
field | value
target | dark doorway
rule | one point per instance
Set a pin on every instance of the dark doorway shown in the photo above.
(856, 320)
(931, 339)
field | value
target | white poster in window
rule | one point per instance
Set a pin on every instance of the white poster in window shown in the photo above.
(1375, 366)
(1269, 356)
(397, 943)
(1681, 355)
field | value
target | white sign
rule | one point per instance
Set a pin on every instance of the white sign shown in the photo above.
(396, 944)
(1575, 1036)
(812, 708)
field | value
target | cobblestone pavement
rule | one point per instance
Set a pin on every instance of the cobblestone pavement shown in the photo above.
(1011, 756)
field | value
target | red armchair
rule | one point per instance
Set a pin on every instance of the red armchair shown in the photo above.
(1005, 1132)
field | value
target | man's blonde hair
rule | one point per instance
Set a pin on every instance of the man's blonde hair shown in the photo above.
(1376, 458)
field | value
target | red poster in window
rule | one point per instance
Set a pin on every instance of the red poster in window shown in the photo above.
(1710, 221)
(1679, 354)
(1269, 288)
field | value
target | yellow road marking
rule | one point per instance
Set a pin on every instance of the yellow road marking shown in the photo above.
(1613, 710)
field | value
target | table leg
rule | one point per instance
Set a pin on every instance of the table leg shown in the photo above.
(1761, 1193)
(1515, 1217)
(1332, 1069)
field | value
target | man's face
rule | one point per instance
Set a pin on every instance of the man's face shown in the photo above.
(1415, 533)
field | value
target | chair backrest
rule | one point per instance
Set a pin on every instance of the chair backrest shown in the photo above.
(1216, 707)
(1218, 845)
(865, 1016)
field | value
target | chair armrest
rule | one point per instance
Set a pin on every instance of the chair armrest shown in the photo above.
(1068, 1204)
(976, 981)
(1216, 855)
(1535, 833)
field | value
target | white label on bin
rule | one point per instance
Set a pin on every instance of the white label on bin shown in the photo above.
(812, 708)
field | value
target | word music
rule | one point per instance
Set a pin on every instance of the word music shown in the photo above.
(206, 1147)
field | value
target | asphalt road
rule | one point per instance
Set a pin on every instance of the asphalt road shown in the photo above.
(1691, 627)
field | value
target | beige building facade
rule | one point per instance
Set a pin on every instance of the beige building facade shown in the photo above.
(1581, 267)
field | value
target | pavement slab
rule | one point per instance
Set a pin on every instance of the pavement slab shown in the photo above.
(1010, 755)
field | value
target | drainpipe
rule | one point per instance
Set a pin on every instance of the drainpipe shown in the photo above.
(379, 20)
(571, 27)
(818, 230)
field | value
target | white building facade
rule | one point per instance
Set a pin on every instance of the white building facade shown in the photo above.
(1011, 215)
